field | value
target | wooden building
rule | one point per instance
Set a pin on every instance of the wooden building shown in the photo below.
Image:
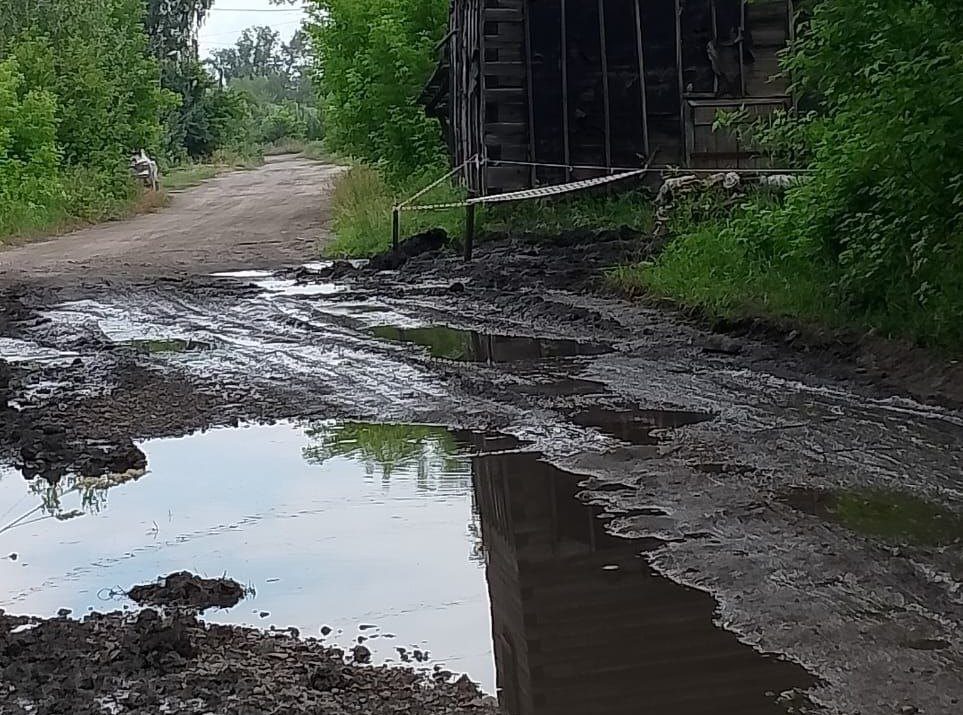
(603, 83)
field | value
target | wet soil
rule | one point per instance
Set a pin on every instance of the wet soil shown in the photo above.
(188, 590)
(699, 453)
(153, 662)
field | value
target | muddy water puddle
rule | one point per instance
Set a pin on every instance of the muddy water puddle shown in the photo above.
(449, 343)
(430, 547)
(637, 426)
(879, 513)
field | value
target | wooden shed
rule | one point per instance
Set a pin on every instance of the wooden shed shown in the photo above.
(540, 88)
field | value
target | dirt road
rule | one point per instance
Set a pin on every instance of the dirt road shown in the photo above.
(763, 525)
(271, 216)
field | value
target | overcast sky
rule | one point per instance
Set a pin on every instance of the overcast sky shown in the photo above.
(229, 18)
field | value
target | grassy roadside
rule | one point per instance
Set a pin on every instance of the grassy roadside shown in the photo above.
(711, 266)
(309, 149)
(363, 199)
(184, 176)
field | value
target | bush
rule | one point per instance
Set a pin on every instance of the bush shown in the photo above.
(207, 118)
(78, 92)
(877, 227)
(29, 158)
(373, 58)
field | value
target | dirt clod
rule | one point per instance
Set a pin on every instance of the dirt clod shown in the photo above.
(421, 243)
(361, 654)
(187, 590)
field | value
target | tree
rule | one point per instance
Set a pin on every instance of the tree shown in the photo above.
(372, 59)
(173, 26)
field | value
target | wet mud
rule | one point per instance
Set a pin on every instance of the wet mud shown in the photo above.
(155, 662)
(187, 590)
(684, 521)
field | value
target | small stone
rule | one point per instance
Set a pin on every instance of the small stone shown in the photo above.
(64, 612)
(264, 614)
(325, 630)
(13, 556)
(361, 654)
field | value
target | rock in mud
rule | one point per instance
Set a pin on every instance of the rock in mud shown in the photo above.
(361, 654)
(186, 590)
(427, 242)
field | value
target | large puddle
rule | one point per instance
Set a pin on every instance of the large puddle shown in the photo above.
(431, 548)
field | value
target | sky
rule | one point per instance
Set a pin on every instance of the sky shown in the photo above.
(229, 18)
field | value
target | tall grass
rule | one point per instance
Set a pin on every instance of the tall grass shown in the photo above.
(363, 199)
(362, 203)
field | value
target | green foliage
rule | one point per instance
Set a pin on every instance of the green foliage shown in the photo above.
(373, 58)
(877, 227)
(81, 92)
(207, 118)
(29, 156)
(361, 206)
(172, 26)
(547, 217)
(270, 75)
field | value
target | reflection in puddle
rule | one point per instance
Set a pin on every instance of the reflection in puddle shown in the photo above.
(335, 525)
(563, 387)
(470, 346)
(887, 514)
(636, 426)
(582, 625)
(286, 287)
(398, 536)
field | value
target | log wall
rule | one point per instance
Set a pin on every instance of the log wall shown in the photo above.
(607, 83)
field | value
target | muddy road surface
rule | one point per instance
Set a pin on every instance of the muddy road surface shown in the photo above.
(583, 504)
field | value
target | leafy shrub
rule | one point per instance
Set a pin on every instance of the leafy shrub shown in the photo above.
(79, 92)
(373, 59)
(29, 158)
(879, 220)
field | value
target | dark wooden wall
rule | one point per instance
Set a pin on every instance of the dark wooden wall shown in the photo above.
(607, 83)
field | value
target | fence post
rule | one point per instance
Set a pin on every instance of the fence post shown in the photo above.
(395, 227)
(469, 230)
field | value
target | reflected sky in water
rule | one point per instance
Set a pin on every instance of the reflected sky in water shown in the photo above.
(353, 524)
(332, 524)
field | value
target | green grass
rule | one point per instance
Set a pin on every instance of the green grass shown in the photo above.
(187, 175)
(363, 200)
(309, 149)
(361, 207)
(184, 176)
(708, 266)
(611, 209)
(707, 269)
